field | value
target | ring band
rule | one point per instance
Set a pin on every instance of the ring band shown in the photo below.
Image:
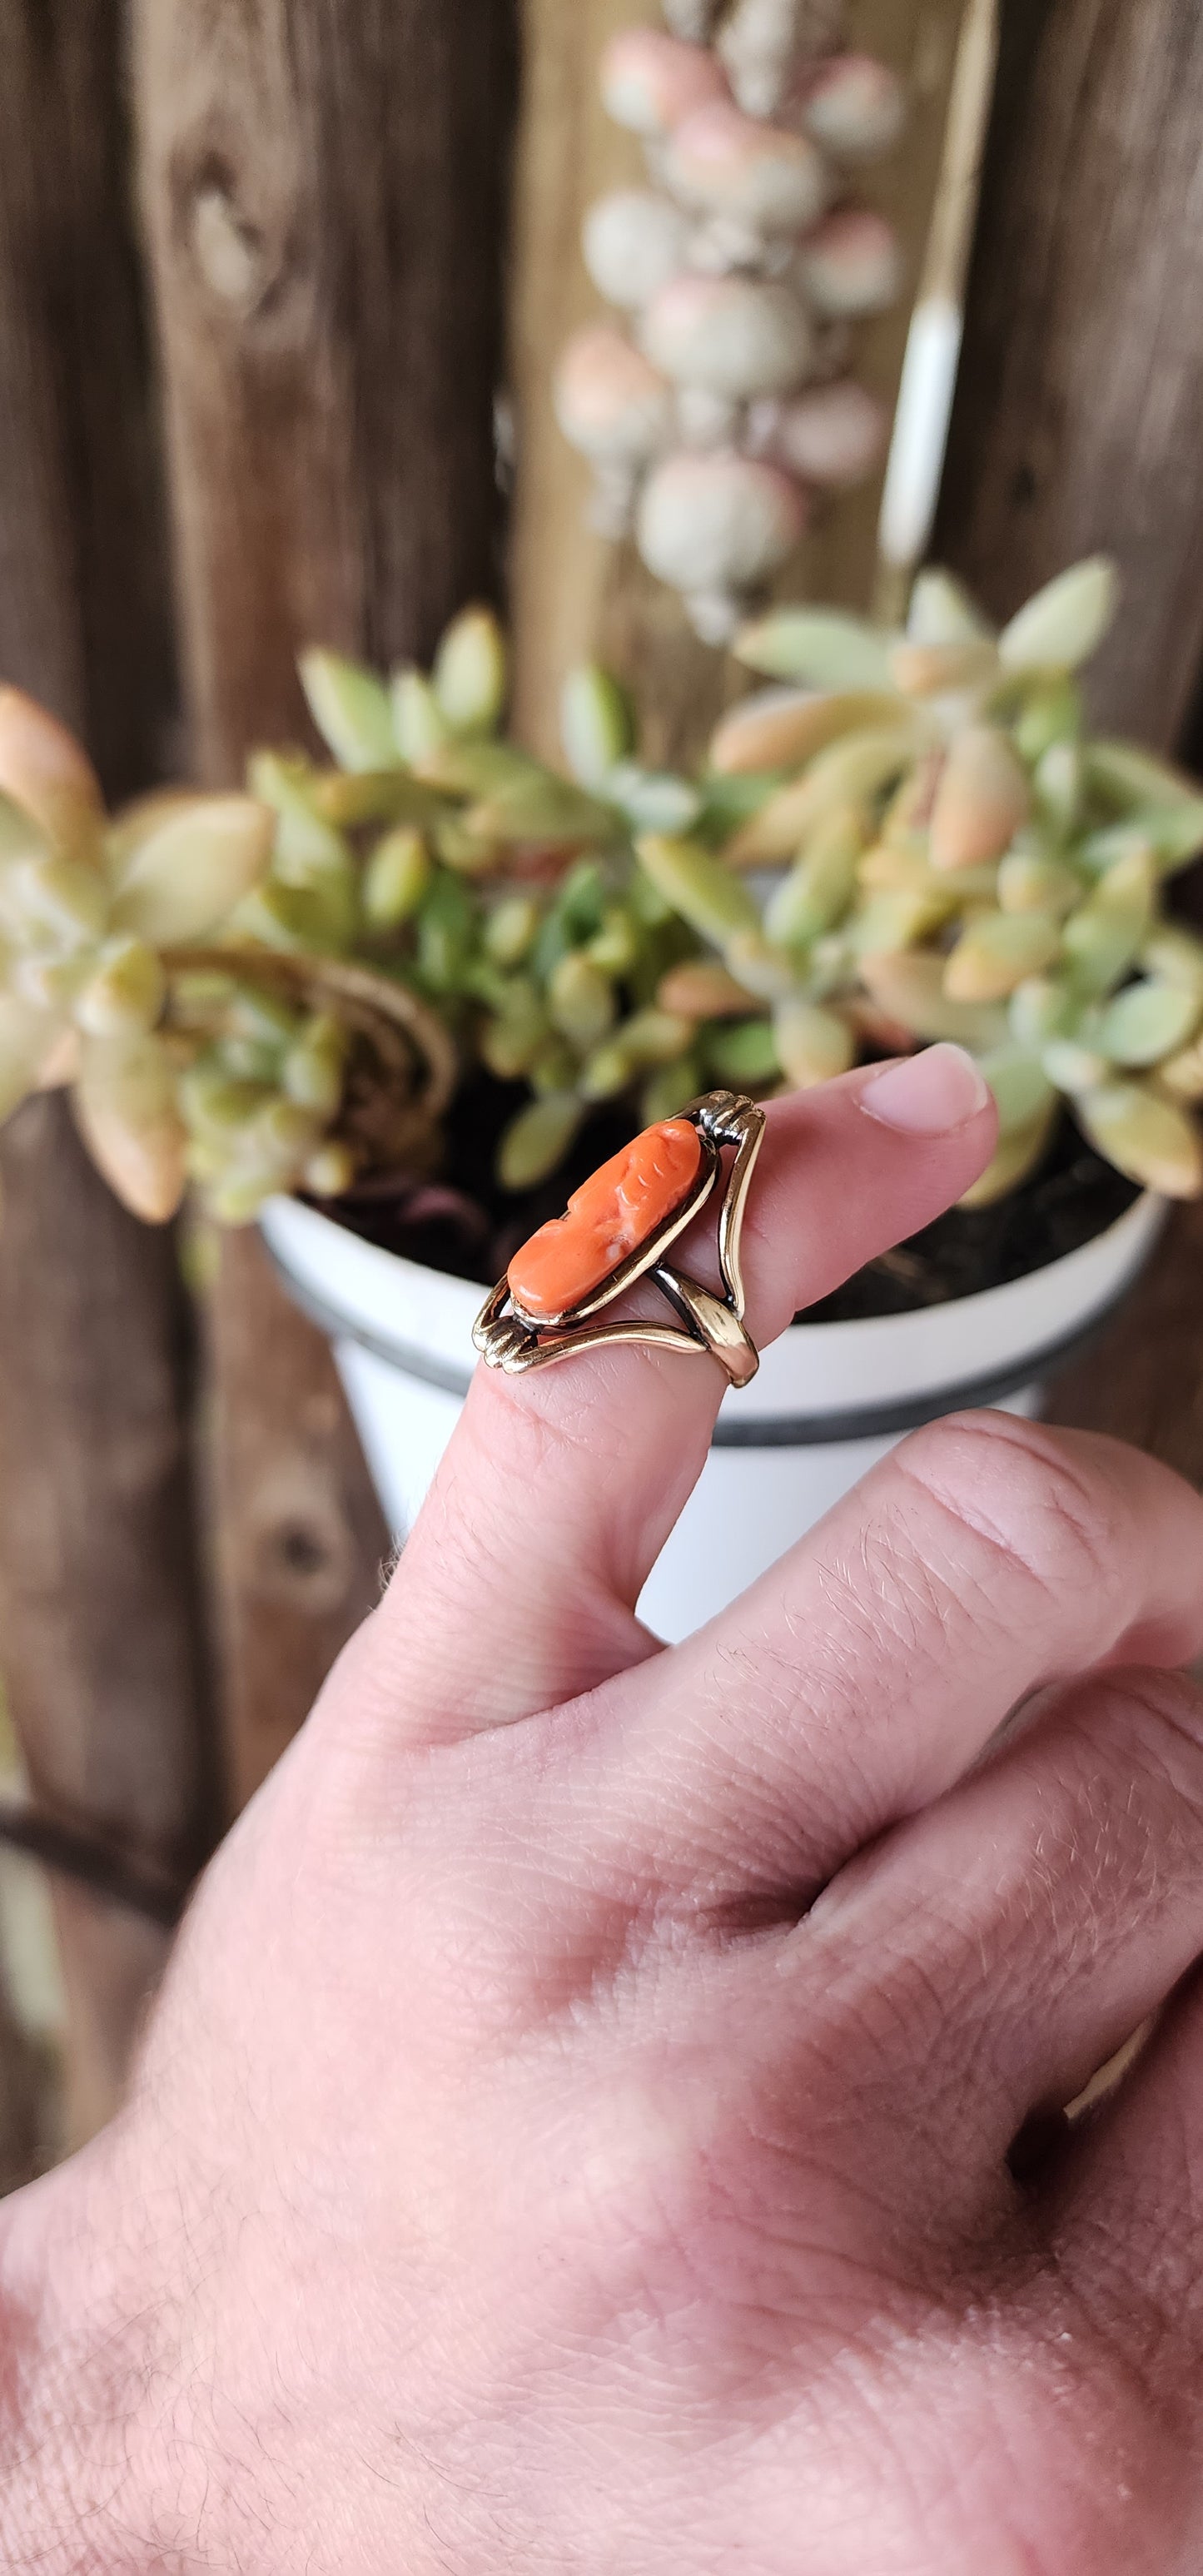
(616, 1229)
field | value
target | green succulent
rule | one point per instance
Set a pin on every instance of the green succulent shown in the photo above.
(938, 848)
(502, 894)
(128, 977)
(906, 838)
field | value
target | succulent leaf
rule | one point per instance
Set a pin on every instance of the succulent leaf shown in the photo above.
(780, 728)
(533, 805)
(469, 675)
(1017, 1157)
(615, 947)
(1029, 883)
(188, 875)
(701, 888)
(942, 612)
(851, 771)
(653, 800)
(982, 799)
(1183, 1073)
(313, 1069)
(1021, 1085)
(764, 969)
(911, 989)
(510, 928)
(418, 725)
(51, 904)
(1149, 1020)
(350, 708)
(395, 879)
(125, 1103)
(996, 951)
(538, 1138)
(305, 838)
(1059, 782)
(671, 1088)
(700, 989)
(887, 923)
(330, 1170)
(28, 1038)
(820, 646)
(1147, 1137)
(821, 883)
(597, 725)
(1130, 777)
(936, 670)
(1072, 1067)
(744, 1052)
(47, 772)
(655, 1036)
(1173, 834)
(1051, 713)
(1103, 936)
(1040, 1008)
(1063, 624)
(125, 992)
(1175, 954)
(580, 1000)
(811, 1044)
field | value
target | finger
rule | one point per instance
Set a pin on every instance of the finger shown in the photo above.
(518, 1586)
(868, 1670)
(1042, 1910)
(1129, 2225)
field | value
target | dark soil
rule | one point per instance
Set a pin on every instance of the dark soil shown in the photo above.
(471, 1228)
(1073, 1196)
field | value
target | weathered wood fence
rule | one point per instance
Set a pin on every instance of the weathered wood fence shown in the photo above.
(253, 288)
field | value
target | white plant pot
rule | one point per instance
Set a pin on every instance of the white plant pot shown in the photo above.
(829, 1399)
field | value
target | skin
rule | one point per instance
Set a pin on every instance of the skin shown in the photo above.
(574, 2134)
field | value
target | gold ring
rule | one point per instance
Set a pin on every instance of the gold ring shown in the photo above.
(616, 1229)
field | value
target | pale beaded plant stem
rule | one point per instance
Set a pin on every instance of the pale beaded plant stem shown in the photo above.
(724, 409)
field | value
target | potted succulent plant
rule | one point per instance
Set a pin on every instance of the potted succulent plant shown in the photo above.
(398, 1005)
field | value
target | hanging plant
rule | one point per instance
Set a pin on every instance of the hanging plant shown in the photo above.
(723, 409)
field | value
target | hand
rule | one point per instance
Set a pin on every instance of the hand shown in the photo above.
(574, 2136)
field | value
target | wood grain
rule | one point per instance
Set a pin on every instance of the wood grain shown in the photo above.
(324, 192)
(99, 1623)
(1144, 1381)
(574, 594)
(298, 1536)
(1076, 427)
(1076, 424)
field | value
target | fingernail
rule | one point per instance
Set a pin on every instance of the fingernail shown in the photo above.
(927, 1094)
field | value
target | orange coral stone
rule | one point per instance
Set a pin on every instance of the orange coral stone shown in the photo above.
(611, 1214)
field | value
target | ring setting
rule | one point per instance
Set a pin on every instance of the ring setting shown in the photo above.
(616, 1230)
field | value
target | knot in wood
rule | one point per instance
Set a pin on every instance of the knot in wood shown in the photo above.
(230, 251)
(298, 1549)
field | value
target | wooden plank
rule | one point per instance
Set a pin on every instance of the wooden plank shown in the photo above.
(574, 594)
(99, 1622)
(298, 1534)
(1081, 384)
(1076, 427)
(1144, 1381)
(323, 183)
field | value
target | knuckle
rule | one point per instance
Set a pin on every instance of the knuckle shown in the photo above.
(1021, 1490)
(1157, 1719)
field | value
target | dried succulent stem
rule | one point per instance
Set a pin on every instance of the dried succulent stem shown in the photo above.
(324, 982)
